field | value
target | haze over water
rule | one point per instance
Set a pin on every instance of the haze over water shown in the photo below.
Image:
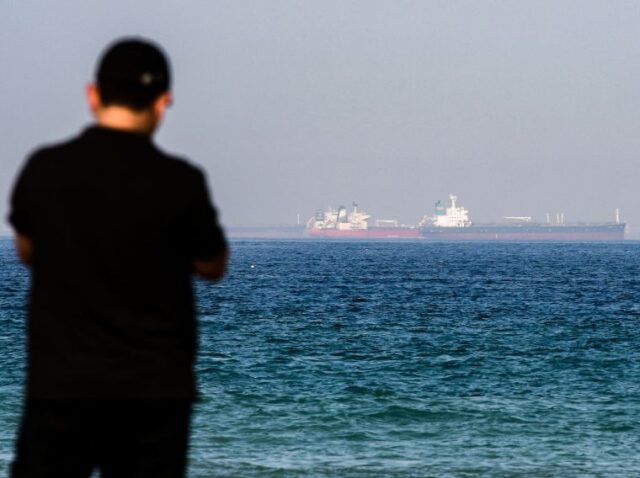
(520, 108)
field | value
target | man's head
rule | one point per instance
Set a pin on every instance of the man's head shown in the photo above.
(132, 86)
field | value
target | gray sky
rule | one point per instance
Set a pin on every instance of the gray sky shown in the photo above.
(518, 107)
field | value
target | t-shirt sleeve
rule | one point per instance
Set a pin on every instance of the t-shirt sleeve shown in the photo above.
(207, 239)
(21, 213)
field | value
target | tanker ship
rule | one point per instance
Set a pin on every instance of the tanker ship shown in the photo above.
(452, 223)
(340, 224)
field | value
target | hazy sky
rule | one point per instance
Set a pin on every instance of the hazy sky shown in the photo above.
(518, 107)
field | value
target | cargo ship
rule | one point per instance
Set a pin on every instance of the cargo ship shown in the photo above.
(452, 223)
(341, 224)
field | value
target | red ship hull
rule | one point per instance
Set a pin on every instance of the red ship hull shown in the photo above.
(371, 233)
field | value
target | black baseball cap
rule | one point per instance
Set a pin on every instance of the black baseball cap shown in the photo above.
(134, 67)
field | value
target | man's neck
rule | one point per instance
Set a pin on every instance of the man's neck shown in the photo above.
(125, 119)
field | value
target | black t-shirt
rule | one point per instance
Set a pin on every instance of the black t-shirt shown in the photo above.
(115, 224)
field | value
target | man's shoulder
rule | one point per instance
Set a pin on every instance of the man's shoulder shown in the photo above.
(79, 143)
(180, 166)
(41, 157)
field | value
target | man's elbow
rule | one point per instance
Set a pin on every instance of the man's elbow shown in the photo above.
(211, 273)
(212, 269)
(24, 247)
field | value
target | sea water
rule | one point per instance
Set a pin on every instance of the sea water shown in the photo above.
(376, 359)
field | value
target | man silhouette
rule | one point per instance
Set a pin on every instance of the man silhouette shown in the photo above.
(113, 230)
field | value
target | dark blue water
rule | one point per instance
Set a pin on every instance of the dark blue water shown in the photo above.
(362, 359)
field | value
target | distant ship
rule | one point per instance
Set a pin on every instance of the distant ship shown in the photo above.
(340, 224)
(452, 223)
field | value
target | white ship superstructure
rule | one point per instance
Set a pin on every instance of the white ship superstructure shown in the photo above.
(452, 216)
(340, 219)
(354, 224)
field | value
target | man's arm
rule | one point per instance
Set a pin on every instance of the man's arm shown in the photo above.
(21, 215)
(208, 247)
(212, 269)
(24, 246)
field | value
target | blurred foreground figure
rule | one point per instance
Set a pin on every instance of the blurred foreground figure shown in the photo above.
(113, 230)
